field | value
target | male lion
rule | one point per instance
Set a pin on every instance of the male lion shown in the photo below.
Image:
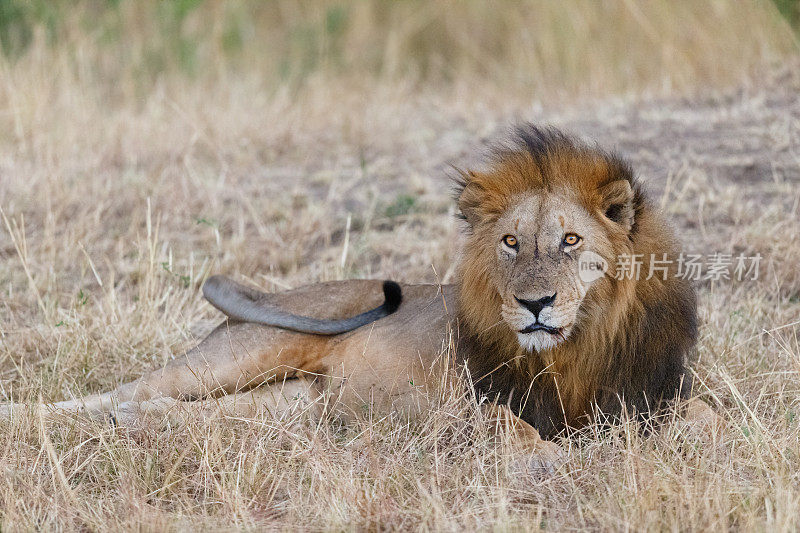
(541, 338)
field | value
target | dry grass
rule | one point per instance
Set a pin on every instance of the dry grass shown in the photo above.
(121, 191)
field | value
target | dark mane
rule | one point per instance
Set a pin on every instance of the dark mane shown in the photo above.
(638, 364)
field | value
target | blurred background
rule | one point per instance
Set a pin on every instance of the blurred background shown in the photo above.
(537, 49)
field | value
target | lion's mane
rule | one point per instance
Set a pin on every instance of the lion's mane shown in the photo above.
(629, 348)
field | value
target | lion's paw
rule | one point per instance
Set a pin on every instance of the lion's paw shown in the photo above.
(128, 416)
(546, 459)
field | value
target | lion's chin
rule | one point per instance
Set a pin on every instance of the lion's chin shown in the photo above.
(539, 341)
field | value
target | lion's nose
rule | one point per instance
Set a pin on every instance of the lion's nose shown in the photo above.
(536, 306)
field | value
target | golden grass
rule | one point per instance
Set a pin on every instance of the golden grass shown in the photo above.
(538, 50)
(121, 188)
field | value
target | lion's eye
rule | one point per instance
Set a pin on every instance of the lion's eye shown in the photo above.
(510, 241)
(571, 239)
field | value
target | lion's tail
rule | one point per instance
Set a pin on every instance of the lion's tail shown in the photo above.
(245, 304)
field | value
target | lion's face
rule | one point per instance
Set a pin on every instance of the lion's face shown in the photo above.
(538, 243)
(537, 218)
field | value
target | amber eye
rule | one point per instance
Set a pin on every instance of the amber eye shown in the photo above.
(510, 241)
(571, 239)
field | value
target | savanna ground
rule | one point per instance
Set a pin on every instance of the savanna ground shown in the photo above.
(144, 146)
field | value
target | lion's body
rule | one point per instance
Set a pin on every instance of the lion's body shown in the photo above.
(389, 364)
(534, 336)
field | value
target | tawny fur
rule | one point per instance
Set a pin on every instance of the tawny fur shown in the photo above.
(619, 343)
(632, 337)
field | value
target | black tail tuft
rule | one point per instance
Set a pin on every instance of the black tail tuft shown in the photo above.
(393, 294)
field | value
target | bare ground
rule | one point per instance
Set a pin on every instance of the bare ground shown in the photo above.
(112, 218)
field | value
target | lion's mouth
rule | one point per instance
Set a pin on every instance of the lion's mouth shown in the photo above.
(537, 326)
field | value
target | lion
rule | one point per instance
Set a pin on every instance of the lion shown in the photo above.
(548, 346)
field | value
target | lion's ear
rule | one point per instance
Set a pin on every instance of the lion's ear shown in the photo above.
(469, 197)
(617, 203)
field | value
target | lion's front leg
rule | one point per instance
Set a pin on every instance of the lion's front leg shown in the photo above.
(701, 419)
(531, 452)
